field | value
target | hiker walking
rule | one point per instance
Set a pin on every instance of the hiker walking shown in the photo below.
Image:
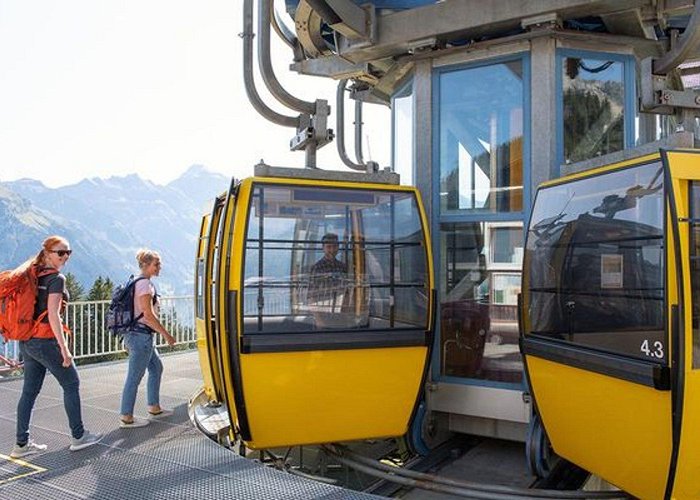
(139, 341)
(43, 345)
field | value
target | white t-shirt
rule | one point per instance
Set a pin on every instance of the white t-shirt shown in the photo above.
(144, 287)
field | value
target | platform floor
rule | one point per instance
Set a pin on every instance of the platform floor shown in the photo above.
(167, 459)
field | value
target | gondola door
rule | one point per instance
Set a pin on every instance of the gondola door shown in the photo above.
(205, 286)
(333, 301)
(201, 319)
(598, 315)
(684, 199)
(225, 310)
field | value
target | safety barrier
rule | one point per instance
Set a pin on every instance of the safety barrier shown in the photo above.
(90, 339)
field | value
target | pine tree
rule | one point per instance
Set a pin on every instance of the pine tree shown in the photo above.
(101, 289)
(75, 289)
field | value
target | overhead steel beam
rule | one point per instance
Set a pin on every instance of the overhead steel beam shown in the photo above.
(355, 22)
(467, 19)
(629, 23)
(346, 17)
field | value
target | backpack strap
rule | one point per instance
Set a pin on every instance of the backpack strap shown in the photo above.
(38, 320)
(133, 283)
(46, 272)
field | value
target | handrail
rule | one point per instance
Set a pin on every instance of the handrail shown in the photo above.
(358, 132)
(340, 127)
(251, 91)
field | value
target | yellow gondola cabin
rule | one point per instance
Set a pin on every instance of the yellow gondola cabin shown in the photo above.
(300, 350)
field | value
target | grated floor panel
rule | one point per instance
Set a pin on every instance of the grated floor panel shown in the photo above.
(167, 459)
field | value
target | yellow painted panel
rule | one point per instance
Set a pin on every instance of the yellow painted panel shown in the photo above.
(202, 349)
(616, 429)
(204, 361)
(601, 170)
(687, 484)
(328, 396)
(684, 164)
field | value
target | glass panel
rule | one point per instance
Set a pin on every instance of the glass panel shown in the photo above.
(329, 259)
(200, 288)
(402, 147)
(695, 267)
(479, 325)
(594, 104)
(507, 245)
(481, 139)
(596, 262)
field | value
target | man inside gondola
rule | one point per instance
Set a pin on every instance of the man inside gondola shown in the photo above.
(328, 274)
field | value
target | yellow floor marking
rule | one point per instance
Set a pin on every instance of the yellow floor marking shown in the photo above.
(35, 468)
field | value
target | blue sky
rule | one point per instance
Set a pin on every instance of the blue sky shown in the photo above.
(109, 87)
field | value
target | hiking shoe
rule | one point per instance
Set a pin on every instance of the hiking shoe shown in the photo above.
(29, 448)
(88, 439)
(161, 414)
(137, 422)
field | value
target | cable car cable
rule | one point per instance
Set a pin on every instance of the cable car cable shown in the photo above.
(356, 459)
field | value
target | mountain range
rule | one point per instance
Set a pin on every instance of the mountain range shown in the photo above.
(108, 220)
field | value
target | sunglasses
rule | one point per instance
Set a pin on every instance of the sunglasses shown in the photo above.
(62, 253)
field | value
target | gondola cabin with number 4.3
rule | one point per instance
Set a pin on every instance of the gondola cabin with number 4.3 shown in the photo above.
(611, 321)
(314, 304)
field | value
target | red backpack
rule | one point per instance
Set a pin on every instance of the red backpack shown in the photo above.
(17, 298)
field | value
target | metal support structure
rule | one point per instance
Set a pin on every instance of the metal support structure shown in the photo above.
(358, 132)
(265, 64)
(285, 34)
(340, 127)
(660, 94)
(311, 124)
(686, 45)
(543, 153)
(347, 18)
(423, 153)
(249, 82)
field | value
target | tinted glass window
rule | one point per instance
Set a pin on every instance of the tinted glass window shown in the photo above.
(594, 104)
(481, 138)
(328, 259)
(480, 279)
(695, 267)
(200, 288)
(595, 262)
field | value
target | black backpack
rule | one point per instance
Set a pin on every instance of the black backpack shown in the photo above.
(120, 316)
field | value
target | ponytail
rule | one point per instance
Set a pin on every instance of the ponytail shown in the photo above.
(40, 258)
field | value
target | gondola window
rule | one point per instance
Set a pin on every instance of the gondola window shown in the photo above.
(596, 263)
(333, 259)
(695, 267)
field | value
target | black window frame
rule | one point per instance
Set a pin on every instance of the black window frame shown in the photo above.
(340, 338)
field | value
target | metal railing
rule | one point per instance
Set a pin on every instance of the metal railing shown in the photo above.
(91, 339)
